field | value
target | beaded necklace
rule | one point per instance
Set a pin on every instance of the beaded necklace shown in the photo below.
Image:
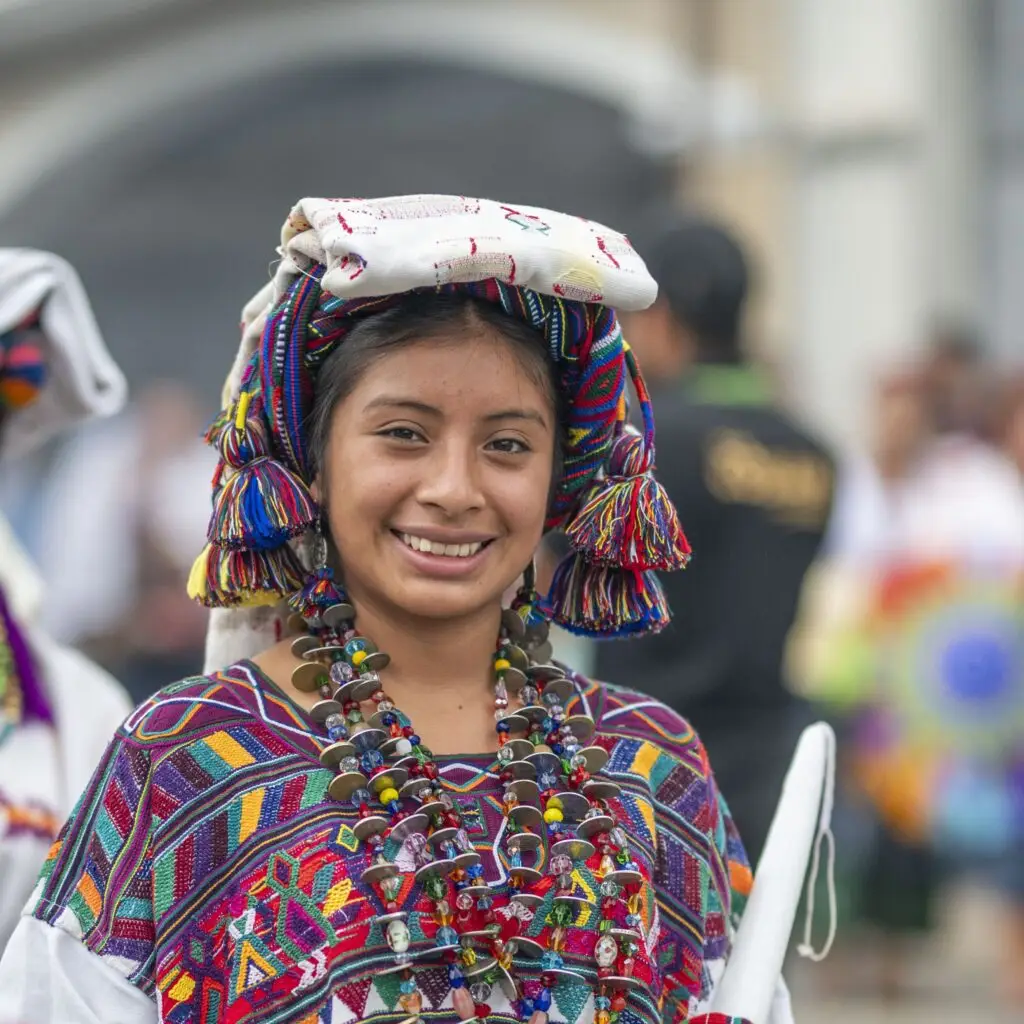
(551, 796)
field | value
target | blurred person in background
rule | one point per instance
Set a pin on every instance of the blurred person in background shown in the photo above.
(919, 647)
(754, 493)
(57, 710)
(125, 508)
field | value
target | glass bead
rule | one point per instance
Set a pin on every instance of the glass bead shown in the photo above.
(633, 920)
(386, 705)
(403, 748)
(610, 889)
(455, 976)
(354, 715)
(499, 714)
(436, 887)
(372, 759)
(602, 1003)
(565, 882)
(562, 915)
(398, 936)
(446, 936)
(464, 901)
(500, 690)
(627, 966)
(333, 721)
(529, 694)
(407, 986)
(577, 761)
(505, 755)
(560, 864)
(349, 764)
(605, 951)
(391, 887)
(337, 732)
(341, 673)
(360, 796)
(480, 991)
(446, 801)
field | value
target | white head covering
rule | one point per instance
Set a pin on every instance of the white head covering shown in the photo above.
(373, 247)
(82, 380)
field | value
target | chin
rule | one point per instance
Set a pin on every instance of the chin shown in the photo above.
(441, 602)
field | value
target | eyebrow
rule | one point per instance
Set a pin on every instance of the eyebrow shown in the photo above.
(397, 402)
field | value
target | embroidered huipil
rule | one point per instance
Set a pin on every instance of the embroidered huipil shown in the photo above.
(206, 867)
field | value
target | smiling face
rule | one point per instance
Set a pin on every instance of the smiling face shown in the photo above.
(436, 471)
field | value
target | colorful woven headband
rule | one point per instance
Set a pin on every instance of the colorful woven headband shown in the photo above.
(22, 364)
(620, 522)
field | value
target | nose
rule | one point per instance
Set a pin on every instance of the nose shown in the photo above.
(451, 480)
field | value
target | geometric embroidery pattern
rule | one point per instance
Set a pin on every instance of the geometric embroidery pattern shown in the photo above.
(205, 862)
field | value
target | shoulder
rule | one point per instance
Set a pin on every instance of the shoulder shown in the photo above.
(645, 739)
(199, 706)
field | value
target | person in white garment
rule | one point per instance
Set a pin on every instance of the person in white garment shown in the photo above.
(57, 709)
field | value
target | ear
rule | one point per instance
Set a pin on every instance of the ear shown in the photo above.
(314, 489)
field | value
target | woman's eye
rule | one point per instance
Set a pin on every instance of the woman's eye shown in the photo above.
(509, 446)
(402, 434)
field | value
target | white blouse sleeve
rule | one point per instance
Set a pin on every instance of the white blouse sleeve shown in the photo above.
(48, 977)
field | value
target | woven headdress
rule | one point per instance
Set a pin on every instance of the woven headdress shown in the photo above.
(343, 260)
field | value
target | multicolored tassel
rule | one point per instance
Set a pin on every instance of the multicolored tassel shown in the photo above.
(605, 602)
(319, 591)
(261, 506)
(23, 369)
(224, 577)
(628, 520)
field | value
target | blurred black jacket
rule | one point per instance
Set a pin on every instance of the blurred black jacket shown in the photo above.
(754, 494)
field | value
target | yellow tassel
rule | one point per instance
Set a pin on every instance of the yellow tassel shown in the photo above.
(197, 576)
(241, 409)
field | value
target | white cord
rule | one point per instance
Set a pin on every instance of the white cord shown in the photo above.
(805, 948)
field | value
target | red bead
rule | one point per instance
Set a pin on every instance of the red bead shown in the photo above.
(604, 972)
(392, 907)
(506, 776)
(618, 1002)
(482, 1010)
(408, 731)
(430, 770)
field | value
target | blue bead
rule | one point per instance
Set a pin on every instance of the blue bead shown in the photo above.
(415, 740)
(527, 1003)
(557, 748)
(543, 1000)
(407, 986)
(388, 718)
(633, 920)
(548, 723)
(446, 936)
(503, 727)
(602, 1003)
(337, 732)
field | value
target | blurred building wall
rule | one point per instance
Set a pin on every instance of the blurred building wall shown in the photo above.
(845, 138)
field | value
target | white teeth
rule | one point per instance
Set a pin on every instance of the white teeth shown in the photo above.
(436, 548)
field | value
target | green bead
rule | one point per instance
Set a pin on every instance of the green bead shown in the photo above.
(562, 914)
(604, 927)
(436, 887)
(622, 857)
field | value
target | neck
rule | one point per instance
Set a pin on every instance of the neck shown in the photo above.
(433, 660)
(441, 673)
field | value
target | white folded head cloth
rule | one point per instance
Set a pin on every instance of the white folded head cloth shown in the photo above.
(82, 379)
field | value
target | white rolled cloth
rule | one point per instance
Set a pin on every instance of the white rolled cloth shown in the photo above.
(82, 379)
(802, 824)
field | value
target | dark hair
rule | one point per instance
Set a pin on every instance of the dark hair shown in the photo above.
(419, 317)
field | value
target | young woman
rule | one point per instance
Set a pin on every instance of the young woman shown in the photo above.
(398, 809)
